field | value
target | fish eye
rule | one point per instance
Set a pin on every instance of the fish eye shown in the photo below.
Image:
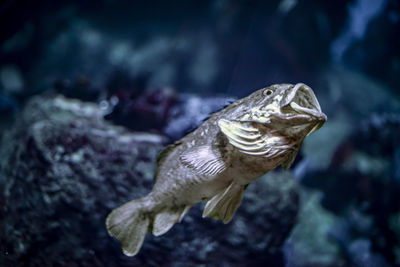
(268, 92)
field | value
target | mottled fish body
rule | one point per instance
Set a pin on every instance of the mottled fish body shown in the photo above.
(219, 159)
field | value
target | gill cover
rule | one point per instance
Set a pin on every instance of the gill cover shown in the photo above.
(251, 140)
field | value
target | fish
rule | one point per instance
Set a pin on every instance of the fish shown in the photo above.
(218, 160)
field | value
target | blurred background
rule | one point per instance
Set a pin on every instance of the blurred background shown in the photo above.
(90, 92)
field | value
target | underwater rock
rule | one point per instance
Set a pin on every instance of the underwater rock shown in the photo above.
(364, 169)
(309, 243)
(63, 168)
(147, 112)
(361, 255)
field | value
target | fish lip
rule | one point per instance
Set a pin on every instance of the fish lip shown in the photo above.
(315, 113)
(299, 118)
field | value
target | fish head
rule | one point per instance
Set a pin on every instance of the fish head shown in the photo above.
(273, 122)
(290, 109)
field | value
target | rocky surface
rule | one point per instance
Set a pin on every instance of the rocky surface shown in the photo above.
(310, 243)
(361, 186)
(63, 168)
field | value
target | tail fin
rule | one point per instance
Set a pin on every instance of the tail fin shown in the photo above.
(129, 225)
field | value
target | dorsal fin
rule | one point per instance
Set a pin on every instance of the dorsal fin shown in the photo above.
(165, 152)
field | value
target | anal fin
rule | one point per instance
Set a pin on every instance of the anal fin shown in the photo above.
(164, 220)
(184, 212)
(224, 204)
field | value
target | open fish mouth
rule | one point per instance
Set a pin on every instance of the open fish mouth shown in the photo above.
(297, 109)
(302, 101)
(301, 107)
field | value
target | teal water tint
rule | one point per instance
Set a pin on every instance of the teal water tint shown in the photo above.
(91, 92)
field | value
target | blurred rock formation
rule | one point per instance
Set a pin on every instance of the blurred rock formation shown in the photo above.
(63, 168)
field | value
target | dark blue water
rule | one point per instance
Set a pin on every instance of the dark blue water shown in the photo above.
(70, 71)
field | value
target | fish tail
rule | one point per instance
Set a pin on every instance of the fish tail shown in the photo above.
(129, 224)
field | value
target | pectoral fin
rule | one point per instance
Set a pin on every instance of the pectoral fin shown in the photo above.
(204, 160)
(224, 205)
